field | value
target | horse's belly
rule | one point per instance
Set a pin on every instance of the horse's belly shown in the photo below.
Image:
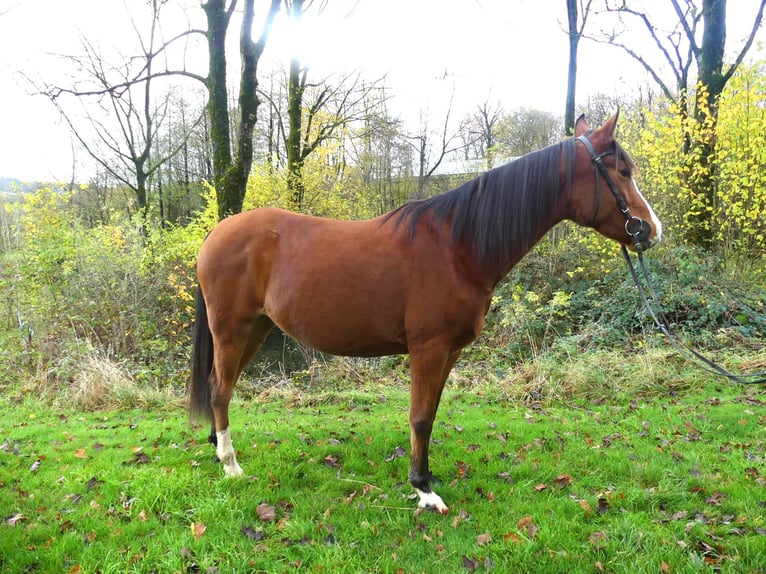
(343, 323)
(342, 337)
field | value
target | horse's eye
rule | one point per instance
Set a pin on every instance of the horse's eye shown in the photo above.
(625, 172)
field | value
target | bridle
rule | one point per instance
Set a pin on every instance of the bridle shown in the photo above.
(639, 231)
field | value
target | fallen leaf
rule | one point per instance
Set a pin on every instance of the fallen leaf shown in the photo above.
(266, 512)
(506, 476)
(80, 453)
(585, 506)
(35, 466)
(603, 506)
(483, 539)
(665, 567)
(598, 540)
(251, 533)
(16, 518)
(138, 458)
(470, 564)
(331, 460)
(528, 526)
(198, 529)
(399, 452)
(462, 469)
(512, 537)
(540, 487)
(563, 480)
(462, 516)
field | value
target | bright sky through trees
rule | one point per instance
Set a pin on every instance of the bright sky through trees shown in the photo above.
(513, 51)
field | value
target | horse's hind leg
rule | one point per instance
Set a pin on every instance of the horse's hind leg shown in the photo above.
(428, 370)
(231, 356)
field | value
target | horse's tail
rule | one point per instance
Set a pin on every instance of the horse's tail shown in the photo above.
(201, 363)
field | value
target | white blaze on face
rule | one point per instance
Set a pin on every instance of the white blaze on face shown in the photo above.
(226, 454)
(653, 219)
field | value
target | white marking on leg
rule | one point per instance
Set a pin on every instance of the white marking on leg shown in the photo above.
(226, 454)
(431, 500)
(654, 220)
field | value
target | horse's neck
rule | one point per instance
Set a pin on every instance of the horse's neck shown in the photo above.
(498, 271)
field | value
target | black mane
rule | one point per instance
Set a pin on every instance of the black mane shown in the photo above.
(500, 211)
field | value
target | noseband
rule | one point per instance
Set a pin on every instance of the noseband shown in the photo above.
(638, 229)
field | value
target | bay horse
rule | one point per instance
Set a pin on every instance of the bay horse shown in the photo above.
(418, 280)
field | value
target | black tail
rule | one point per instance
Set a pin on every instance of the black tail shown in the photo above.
(201, 363)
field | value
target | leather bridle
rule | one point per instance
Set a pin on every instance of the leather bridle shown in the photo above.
(638, 229)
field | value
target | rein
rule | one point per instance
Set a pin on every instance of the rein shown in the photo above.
(639, 230)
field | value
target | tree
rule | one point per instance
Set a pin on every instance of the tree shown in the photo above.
(526, 129)
(432, 147)
(479, 130)
(681, 49)
(575, 30)
(123, 115)
(230, 173)
(315, 111)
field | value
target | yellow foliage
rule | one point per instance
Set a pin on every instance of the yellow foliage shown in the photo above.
(655, 136)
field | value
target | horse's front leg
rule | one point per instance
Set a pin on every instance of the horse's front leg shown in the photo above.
(429, 369)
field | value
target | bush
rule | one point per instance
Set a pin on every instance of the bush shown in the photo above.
(555, 294)
(123, 289)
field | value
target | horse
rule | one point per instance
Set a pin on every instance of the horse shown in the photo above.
(418, 280)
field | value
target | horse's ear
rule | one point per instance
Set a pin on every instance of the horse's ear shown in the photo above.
(610, 126)
(581, 126)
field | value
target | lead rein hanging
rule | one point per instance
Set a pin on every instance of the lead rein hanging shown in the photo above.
(662, 325)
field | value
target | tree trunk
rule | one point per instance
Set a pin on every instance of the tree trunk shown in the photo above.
(218, 106)
(295, 90)
(574, 40)
(702, 176)
(230, 174)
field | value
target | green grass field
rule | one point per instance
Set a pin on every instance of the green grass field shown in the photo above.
(663, 485)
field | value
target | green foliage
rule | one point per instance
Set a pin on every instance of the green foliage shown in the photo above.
(125, 288)
(587, 295)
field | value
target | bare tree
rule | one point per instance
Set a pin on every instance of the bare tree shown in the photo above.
(230, 172)
(577, 16)
(315, 111)
(681, 50)
(432, 147)
(123, 115)
(479, 130)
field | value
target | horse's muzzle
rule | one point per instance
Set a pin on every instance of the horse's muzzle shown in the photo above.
(640, 232)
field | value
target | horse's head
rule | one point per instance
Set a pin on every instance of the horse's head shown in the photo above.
(604, 195)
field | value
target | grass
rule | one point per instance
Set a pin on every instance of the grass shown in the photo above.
(654, 484)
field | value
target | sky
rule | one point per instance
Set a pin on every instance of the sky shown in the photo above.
(432, 52)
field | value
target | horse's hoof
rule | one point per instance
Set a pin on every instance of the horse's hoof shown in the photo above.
(431, 501)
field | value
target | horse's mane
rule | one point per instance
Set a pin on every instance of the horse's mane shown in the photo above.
(500, 211)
